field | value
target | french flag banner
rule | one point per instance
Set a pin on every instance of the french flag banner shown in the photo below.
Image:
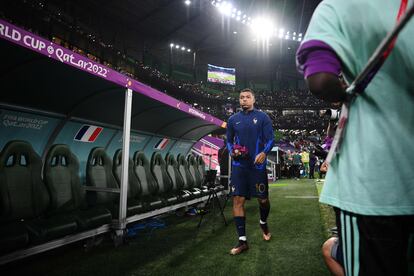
(88, 133)
(161, 144)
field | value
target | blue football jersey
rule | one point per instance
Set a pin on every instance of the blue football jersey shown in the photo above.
(252, 129)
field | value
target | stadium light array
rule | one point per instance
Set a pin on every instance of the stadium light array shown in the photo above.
(180, 47)
(225, 8)
(187, 2)
(261, 27)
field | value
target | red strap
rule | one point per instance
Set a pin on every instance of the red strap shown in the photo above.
(401, 11)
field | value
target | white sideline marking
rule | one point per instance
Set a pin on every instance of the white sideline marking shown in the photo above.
(304, 197)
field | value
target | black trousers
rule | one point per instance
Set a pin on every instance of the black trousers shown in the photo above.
(296, 171)
(376, 245)
(311, 171)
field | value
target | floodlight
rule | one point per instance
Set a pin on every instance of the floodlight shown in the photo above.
(286, 37)
(225, 8)
(233, 15)
(239, 12)
(188, 50)
(234, 32)
(294, 38)
(238, 18)
(300, 34)
(262, 27)
(187, 2)
(244, 21)
(177, 46)
(183, 48)
(299, 39)
(172, 45)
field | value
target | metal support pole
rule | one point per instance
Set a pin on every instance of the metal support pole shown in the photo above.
(125, 160)
(277, 156)
(209, 157)
(170, 62)
(229, 173)
(194, 66)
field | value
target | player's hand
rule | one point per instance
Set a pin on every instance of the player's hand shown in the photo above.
(324, 167)
(260, 158)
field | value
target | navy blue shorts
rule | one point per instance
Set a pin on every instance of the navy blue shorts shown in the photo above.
(249, 182)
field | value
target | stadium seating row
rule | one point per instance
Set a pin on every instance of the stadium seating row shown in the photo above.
(39, 205)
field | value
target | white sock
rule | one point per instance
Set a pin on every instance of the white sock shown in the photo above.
(262, 222)
(242, 238)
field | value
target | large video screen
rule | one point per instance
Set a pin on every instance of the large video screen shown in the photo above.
(222, 75)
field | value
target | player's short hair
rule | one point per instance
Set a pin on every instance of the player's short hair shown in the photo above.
(247, 90)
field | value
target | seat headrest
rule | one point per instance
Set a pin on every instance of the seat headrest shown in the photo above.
(117, 161)
(157, 159)
(191, 159)
(60, 153)
(98, 156)
(170, 159)
(18, 151)
(118, 157)
(200, 160)
(140, 159)
(181, 160)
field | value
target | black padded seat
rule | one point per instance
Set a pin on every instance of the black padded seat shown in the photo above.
(176, 178)
(189, 182)
(201, 166)
(149, 185)
(49, 228)
(25, 198)
(202, 169)
(67, 196)
(134, 186)
(195, 173)
(99, 174)
(167, 189)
